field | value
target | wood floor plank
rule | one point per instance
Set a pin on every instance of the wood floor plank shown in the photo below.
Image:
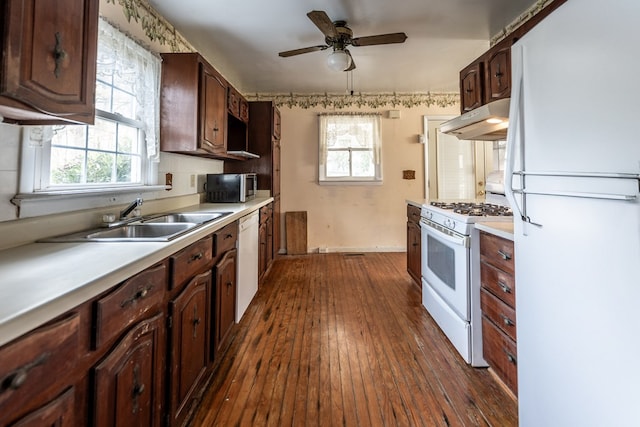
(343, 339)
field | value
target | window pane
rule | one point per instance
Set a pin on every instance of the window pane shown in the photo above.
(362, 163)
(123, 172)
(337, 163)
(70, 136)
(66, 165)
(103, 96)
(99, 167)
(125, 79)
(124, 104)
(128, 139)
(102, 136)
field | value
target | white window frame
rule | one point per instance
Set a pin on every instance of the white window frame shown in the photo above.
(323, 149)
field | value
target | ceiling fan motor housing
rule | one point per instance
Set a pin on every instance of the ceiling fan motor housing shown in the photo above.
(344, 36)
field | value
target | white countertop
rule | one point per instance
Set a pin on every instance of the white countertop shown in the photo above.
(500, 229)
(40, 281)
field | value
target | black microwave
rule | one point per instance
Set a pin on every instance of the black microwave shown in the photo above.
(231, 187)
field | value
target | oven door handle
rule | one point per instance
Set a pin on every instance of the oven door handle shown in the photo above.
(444, 234)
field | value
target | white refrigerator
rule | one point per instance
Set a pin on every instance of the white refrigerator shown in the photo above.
(572, 178)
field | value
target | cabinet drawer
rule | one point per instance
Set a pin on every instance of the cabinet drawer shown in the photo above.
(499, 283)
(413, 213)
(191, 260)
(129, 303)
(34, 366)
(500, 352)
(497, 251)
(225, 238)
(503, 316)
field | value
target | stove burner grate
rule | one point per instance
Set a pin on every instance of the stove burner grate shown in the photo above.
(474, 209)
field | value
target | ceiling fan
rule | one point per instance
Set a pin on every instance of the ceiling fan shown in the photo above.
(339, 36)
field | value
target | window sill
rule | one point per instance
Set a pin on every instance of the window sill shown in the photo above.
(53, 202)
(350, 182)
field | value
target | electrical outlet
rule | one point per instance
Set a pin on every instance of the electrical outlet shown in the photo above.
(192, 182)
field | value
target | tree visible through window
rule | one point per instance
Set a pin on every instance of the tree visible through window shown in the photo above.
(350, 148)
(114, 151)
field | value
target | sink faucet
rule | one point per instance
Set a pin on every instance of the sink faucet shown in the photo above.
(126, 211)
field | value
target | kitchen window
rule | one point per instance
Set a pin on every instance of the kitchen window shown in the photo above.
(116, 155)
(350, 148)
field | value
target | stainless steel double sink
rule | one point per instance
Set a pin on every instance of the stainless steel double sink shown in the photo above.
(150, 228)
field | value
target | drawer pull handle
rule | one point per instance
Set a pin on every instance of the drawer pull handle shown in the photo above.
(197, 256)
(228, 236)
(196, 321)
(510, 357)
(19, 377)
(140, 294)
(506, 289)
(506, 320)
(59, 55)
(504, 255)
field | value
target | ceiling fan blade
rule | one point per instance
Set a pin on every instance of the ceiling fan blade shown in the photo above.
(379, 39)
(323, 22)
(288, 53)
(353, 64)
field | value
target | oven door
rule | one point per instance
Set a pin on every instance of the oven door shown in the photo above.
(445, 265)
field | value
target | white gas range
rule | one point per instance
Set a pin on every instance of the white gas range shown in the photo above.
(451, 270)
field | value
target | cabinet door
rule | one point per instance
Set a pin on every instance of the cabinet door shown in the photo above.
(225, 298)
(499, 74)
(471, 79)
(275, 166)
(276, 225)
(189, 346)
(413, 251)
(262, 250)
(60, 412)
(214, 111)
(276, 127)
(49, 60)
(27, 364)
(128, 381)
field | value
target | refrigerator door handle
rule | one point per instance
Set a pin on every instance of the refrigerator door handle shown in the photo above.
(597, 175)
(515, 139)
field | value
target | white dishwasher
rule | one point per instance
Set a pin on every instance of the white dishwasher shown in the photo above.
(247, 265)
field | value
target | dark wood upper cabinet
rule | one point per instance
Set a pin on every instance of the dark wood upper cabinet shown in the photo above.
(193, 107)
(488, 78)
(48, 62)
(498, 72)
(472, 86)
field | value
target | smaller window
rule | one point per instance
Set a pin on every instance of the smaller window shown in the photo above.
(349, 148)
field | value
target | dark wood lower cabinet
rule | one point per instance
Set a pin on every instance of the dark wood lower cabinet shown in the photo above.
(225, 271)
(57, 413)
(189, 345)
(140, 354)
(129, 380)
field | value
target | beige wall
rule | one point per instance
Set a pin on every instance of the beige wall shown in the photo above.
(354, 218)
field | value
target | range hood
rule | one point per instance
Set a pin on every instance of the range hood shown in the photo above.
(486, 123)
(243, 153)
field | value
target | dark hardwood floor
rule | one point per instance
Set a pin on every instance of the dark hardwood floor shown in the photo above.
(343, 339)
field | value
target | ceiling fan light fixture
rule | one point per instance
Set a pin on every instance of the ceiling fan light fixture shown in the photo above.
(339, 60)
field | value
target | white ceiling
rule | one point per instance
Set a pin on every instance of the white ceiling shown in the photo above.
(242, 38)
